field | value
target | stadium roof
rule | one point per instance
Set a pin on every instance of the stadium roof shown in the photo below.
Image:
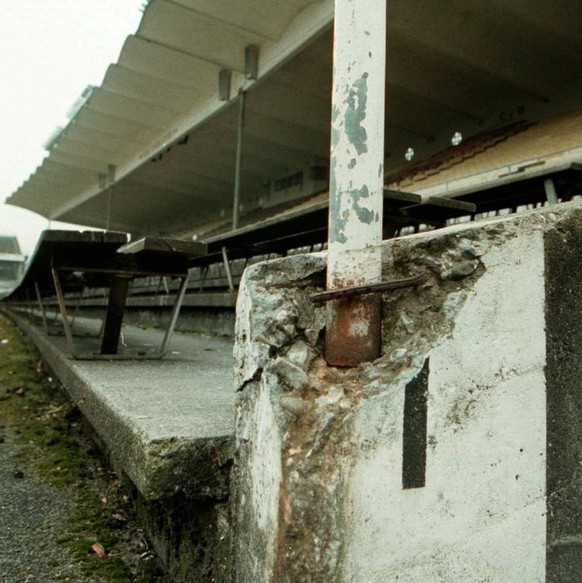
(158, 131)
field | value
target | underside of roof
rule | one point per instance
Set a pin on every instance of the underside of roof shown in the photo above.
(153, 148)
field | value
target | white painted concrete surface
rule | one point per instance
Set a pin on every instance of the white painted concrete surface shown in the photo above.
(319, 464)
(481, 515)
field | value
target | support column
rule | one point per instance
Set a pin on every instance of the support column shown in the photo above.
(110, 177)
(238, 167)
(114, 315)
(356, 179)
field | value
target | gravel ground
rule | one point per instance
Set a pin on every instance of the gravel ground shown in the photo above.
(64, 516)
(33, 515)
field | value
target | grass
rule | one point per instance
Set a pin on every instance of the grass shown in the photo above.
(51, 433)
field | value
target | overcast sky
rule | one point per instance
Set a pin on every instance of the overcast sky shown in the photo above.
(51, 50)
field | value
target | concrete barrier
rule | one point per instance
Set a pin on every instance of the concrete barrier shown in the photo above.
(453, 457)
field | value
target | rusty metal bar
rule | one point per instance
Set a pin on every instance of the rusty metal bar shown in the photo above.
(63, 308)
(41, 306)
(203, 274)
(174, 317)
(29, 308)
(353, 327)
(226, 261)
(371, 288)
(77, 307)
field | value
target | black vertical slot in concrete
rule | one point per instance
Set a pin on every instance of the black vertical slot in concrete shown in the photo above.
(563, 311)
(414, 430)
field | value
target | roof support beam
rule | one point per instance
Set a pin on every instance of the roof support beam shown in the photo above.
(356, 179)
(239, 151)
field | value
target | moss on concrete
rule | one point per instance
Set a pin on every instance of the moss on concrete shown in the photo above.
(52, 435)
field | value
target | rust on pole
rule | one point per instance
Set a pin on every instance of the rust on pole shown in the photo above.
(356, 180)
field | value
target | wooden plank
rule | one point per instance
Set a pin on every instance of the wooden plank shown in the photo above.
(451, 204)
(284, 231)
(400, 198)
(435, 210)
(189, 249)
(65, 236)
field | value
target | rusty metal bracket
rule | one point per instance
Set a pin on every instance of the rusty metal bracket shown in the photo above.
(356, 291)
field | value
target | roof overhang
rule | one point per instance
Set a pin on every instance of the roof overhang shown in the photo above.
(157, 142)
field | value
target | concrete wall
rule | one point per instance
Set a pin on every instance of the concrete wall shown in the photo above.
(453, 457)
(479, 514)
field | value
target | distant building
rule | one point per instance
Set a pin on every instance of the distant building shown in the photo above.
(11, 264)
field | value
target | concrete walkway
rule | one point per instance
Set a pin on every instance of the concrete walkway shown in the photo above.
(166, 424)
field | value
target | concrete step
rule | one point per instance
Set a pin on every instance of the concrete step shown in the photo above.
(167, 425)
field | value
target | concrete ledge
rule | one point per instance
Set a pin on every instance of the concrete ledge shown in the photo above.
(168, 425)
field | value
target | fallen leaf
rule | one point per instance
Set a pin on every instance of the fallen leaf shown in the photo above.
(99, 551)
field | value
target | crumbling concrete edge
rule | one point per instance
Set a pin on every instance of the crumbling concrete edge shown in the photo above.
(157, 468)
(303, 407)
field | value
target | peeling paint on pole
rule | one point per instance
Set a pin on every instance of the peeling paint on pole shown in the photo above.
(356, 113)
(356, 178)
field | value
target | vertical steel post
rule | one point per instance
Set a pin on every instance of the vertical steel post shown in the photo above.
(356, 179)
(174, 317)
(41, 306)
(109, 178)
(109, 205)
(239, 149)
(227, 269)
(114, 315)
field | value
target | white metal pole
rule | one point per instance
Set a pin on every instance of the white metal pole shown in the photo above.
(356, 178)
